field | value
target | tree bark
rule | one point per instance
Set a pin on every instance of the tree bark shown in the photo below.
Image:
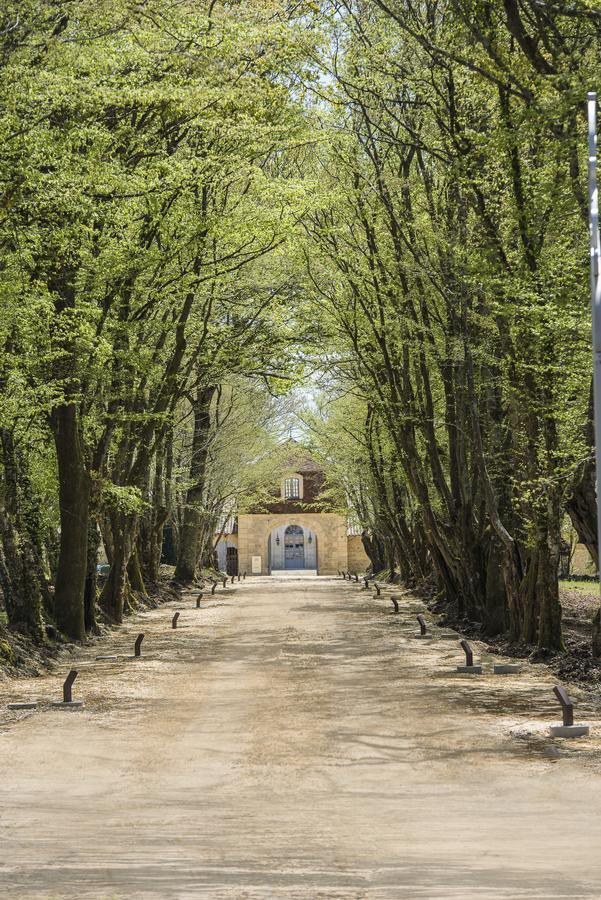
(74, 496)
(372, 546)
(113, 599)
(91, 585)
(185, 569)
(20, 581)
(152, 526)
(21, 576)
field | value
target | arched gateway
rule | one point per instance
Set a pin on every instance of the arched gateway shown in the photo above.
(292, 547)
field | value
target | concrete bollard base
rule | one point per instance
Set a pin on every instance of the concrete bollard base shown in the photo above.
(569, 731)
(30, 705)
(470, 670)
(506, 669)
(72, 704)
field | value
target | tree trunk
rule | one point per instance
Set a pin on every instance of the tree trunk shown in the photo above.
(20, 580)
(495, 618)
(549, 624)
(134, 573)
(152, 526)
(372, 547)
(21, 573)
(74, 496)
(114, 594)
(185, 569)
(91, 586)
(207, 557)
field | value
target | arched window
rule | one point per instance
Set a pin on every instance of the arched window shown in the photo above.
(292, 488)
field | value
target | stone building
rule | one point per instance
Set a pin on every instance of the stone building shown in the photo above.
(296, 532)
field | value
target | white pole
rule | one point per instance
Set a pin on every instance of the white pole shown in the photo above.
(595, 296)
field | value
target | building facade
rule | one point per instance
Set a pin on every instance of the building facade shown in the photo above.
(296, 532)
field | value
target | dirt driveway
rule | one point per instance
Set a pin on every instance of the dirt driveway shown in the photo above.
(294, 739)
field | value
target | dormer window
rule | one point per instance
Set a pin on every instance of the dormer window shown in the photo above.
(292, 488)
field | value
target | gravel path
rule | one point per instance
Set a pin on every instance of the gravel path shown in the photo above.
(294, 739)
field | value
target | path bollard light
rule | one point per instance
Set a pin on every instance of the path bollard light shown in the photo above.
(244, 576)
(174, 620)
(469, 667)
(423, 628)
(365, 583)
(215, 583)
(225, 582)
(233, 577)
(395, 603)
(24, 704)
(378, 589)
(506, 669)
(198, 599)
(114, 656)
(68, 700)
(356, 578)
(239, 577)
(567, 728)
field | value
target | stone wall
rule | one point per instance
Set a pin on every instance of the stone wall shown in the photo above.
(358, 560)
(328, 528)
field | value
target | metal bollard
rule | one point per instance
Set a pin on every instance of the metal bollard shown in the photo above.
(67, 702)
(138, 645)
(469, 656)
(233, 577)
(67, 696)
(567, 707)
(378, 589)
(198, 599)
(422, 624)
(395, 603)
(567, 729)
(356, 578)
(174, 620)
(225, 582)
(215, 583)
(469, 668)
